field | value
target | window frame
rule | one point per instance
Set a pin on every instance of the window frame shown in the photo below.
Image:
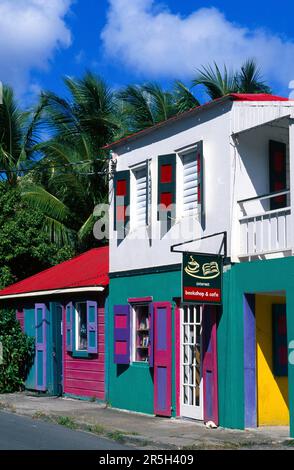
(133, 335)
(76, 323)
(133, 203)
(194, 213)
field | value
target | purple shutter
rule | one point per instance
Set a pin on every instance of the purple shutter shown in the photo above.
(121, 334)
(151, 336)
(92, 327)
(68, 327)
(41, 350)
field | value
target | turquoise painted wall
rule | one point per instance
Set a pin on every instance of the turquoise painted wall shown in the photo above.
(257, 276)
(131, 387)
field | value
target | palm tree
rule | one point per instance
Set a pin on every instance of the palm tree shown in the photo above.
(250, 80)
(72, 178)
(18, 137)
(146, 105)
(219, 83)
(184, 98)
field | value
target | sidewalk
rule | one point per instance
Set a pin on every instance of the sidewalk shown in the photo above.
(142, 431)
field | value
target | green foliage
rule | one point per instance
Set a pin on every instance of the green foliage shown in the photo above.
(219, 83)
(18, 137)
(71, 177)
(18, 353)
(24, 247)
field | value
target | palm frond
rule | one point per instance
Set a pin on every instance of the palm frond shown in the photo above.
(184, 98)
(215, 82)
(250, 79)
(50, 205)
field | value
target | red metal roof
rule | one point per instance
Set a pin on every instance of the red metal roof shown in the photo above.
(231, 96)
(86, 270)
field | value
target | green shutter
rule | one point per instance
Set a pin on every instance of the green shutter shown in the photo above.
(201, 194)
(121, 201)
(166, 185)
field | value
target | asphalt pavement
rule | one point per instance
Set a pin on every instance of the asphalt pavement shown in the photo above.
(22, 433)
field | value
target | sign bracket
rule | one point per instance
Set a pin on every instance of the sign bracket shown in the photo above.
(224, 244)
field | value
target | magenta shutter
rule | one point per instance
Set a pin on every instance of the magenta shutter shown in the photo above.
(162, 358)
(121, 334)
(151, 336)
(210, 386)
(69, 326)
(41, 350)
(92, 327)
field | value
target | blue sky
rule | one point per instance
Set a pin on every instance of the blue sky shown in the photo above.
(132, 41)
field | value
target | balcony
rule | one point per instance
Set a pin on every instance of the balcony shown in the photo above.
(264, 230)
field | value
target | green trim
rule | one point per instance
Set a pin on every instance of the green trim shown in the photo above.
(142, 272)
(140, 365)
(81, 354)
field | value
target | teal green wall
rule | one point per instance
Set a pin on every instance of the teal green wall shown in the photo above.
(252, 277)
(131, 387)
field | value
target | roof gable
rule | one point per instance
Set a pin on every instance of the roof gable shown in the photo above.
(86, 270)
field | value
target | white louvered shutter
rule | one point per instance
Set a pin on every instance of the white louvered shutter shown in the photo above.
(190, 184)
(141, 182)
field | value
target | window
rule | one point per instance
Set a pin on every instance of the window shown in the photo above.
(141, 196)
(81, 327)
(190, 183)
(141, 333)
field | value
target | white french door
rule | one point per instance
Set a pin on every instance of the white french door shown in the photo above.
(191, 362)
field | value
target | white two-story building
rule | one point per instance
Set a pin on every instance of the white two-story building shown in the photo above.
(219, 178)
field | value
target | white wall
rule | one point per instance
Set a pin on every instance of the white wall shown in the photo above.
(234, 170)
(212, 126)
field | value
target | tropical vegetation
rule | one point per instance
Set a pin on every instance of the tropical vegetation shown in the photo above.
(53, 165)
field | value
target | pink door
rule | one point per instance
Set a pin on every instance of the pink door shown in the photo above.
(210, 386)
(162, 358)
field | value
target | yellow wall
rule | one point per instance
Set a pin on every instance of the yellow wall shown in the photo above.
(272, 392)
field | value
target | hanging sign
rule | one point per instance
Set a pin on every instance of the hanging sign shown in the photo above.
(202, 278)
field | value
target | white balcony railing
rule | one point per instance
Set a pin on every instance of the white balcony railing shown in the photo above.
(264, 230)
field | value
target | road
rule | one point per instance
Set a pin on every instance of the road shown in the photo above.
(22, 433)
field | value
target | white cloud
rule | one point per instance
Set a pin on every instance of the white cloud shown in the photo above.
(157, 43)
(30, 32)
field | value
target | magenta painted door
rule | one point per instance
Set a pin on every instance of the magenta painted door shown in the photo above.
(210, 387)
(162, 358)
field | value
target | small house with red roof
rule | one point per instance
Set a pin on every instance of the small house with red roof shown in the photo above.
(63, 308)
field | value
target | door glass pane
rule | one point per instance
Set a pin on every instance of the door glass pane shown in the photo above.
(191, 356)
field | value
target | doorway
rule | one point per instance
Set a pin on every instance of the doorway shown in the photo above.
(265, 360)
(191, 396)
(57, 384)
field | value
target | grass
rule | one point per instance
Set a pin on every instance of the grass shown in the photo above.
(40, 415)
(117, 436)
(289, 443)
(96, 429)
(66, 421)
